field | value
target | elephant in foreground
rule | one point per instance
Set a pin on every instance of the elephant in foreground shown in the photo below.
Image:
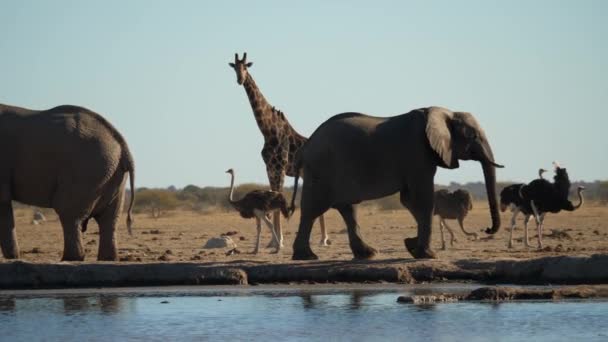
(354, 157)
(70, 159)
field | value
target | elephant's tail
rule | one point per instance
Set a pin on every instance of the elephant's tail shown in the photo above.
(292, 207)
(130, 168)
(298, 170)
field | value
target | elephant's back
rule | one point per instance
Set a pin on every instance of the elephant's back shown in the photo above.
(61, 148)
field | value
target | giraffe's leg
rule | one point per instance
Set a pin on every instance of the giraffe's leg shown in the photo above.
(276, 176)
(324, 237)
(262, 216)
(258, 227)
(513, 222)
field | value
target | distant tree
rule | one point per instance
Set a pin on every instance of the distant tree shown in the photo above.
(603, 192)
(157, 201)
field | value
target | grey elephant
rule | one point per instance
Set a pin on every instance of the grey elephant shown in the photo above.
(354, 157)
(70, 159)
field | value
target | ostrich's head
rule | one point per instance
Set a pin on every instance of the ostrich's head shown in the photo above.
(240, 66)
(540, 172)
(230, 171)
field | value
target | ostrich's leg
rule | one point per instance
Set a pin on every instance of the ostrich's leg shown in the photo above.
(324, 237)
(540, 230)
(276, 176)
(538, 224)
(513, 222)
(259, 229)
(263, 216)
(526, 239)
(461, 223)
(442, 237)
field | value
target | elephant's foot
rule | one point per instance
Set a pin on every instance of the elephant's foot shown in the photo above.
(411, 244)
(80, 257)
(304, 254)
(364, 252)
(10, 250)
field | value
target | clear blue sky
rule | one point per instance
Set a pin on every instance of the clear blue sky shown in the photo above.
(535, 74)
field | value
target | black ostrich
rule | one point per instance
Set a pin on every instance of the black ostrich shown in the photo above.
(259, 204)
(510, 198)
(540, 197)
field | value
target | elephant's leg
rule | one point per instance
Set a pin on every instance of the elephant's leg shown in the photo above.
(72, 238)
(418, 198)
(8, 236)
(107, 221)
(461, 223)
(324, 237)
(314, 203)
(361, 250)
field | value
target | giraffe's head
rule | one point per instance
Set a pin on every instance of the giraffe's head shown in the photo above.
(240, 66)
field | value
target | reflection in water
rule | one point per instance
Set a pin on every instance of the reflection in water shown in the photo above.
(106, 304)
(7, 304)
(306, 315)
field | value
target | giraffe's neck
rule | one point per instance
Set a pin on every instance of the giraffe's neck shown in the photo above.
(262, 110)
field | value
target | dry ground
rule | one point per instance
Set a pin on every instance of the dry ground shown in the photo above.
(180, 236)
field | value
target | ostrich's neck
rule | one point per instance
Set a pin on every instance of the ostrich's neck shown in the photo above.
(231, 188)
(581, 200)
(262, 110)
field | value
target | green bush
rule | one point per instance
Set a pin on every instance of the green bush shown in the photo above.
(157, 201)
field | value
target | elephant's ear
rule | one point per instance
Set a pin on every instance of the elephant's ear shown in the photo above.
(5, 193)
(439, 135)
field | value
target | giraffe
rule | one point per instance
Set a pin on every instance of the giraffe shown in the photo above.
(281, 141)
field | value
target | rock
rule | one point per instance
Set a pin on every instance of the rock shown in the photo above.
(220, 242)
(242, 238)
(429, 299)
(165, 302)
(559, 248)
(596, 232)
(155, 231)
(196, 257)
(233, 251)
(166, 257)
(510, 293)
(230, 233)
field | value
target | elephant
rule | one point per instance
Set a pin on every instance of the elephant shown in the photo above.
(70, 159)
(353, 157)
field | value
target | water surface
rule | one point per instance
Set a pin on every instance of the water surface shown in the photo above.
(354, 313)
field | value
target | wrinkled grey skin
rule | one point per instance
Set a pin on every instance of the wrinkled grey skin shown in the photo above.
(67, 158)
(354, 157)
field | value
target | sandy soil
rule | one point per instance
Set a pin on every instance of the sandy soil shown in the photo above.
(180, 236)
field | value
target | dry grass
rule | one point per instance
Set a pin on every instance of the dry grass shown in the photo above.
(180, 235)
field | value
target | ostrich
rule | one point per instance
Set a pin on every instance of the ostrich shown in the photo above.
(452, 205)
(546, 197)
(510, 198)
(259, 204)
(538, 198)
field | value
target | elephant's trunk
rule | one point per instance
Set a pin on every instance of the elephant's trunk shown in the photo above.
(489, 173)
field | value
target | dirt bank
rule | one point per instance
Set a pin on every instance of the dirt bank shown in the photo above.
(546, 270)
